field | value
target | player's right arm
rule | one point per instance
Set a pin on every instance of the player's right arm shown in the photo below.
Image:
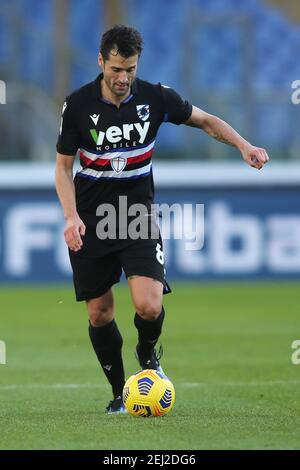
(65, 189)
(67, 146)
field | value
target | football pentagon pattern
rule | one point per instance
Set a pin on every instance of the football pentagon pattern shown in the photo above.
(148, 393)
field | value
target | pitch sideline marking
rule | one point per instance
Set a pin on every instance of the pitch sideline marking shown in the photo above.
(182, 384)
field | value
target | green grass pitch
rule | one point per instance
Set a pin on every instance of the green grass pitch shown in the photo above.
(227, 349)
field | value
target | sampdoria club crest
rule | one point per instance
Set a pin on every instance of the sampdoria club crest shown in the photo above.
(143, 111)
(118, 164)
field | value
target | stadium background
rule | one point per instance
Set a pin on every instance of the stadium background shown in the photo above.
(234, 58)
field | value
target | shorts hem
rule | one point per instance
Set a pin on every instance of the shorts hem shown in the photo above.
(167, 288)
(97, 293)
(151, 275)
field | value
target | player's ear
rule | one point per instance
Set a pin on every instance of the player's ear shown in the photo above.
(100, 60)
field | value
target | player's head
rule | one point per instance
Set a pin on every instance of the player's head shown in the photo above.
(120, 49)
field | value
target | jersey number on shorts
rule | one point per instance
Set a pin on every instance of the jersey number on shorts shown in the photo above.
(159, 254)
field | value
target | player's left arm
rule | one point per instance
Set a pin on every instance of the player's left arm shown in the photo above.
(220, 130)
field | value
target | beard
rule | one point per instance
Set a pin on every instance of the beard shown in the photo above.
(118, 89)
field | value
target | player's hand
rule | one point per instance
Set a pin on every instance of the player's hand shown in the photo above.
(75, 229)
(255, 156)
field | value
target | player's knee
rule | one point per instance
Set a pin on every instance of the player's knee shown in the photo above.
(149, 310)
(100, 315)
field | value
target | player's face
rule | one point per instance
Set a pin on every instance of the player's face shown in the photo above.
(118, 72)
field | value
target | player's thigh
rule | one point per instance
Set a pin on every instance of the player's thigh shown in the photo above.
(101, 309)
(146, 294)
(143, 265)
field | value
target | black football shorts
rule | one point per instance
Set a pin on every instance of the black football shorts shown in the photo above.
(93, 276)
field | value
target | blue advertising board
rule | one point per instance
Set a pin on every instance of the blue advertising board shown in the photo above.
(245, 234)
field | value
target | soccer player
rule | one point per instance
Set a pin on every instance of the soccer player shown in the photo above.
(112, 123)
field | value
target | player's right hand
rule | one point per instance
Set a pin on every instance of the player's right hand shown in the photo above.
(75, 229)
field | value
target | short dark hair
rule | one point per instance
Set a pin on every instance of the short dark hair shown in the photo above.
(126, 40)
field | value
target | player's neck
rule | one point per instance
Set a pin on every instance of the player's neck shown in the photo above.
(107, 94)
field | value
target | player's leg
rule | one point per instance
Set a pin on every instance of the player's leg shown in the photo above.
(143, 263)
(107, 340)
(93, 279)
(146, 294)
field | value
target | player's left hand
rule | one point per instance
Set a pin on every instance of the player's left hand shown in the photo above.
(255, 156)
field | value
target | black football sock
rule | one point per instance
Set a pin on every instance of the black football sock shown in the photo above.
(107, 343)
(149, 332)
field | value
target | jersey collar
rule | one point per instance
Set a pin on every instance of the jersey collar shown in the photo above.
(97, 90)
